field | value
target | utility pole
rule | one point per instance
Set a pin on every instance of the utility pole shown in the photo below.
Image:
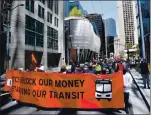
(7, 42)
(142, 30)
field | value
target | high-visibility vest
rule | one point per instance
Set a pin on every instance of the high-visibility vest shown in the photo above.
(97, 68)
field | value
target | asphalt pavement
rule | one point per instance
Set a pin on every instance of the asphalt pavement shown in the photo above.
(139, 96)
(28, 109)
(138, 105)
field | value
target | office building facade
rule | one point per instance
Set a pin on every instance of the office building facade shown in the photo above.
(97, 19)
(37, 28)
(145, 9)
(127, 23)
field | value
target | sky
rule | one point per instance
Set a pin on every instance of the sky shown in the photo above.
(107, 8)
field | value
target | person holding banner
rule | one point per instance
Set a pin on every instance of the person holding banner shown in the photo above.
(119, 66)
(63, 70)
(127, 83)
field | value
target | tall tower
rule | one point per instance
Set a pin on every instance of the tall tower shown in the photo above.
(127, 23)
(97, 19)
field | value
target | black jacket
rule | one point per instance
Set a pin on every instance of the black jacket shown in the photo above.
(144, 68)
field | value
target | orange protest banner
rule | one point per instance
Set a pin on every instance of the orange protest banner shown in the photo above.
(55, 90)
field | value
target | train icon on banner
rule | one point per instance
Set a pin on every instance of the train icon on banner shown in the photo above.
(103, 89)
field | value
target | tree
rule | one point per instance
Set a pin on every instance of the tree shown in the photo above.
(122, 55)
(75, 12)
(128, 46)
(137, 50)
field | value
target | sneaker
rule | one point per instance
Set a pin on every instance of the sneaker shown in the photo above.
(126, 110)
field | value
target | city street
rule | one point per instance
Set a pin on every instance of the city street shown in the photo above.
(71, 57)
(138, 105)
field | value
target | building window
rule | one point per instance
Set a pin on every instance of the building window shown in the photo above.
(56, 7)
(41, 11)
(30, 5)
(56, 21)
(29, 38)
(43, 1)
(52, 38)
(49, 17)
(55, 36)
(50, 4)
(34, 32)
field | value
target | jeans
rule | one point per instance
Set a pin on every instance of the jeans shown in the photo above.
(146, 78)
(126, 101)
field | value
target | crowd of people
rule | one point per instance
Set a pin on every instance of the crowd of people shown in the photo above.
(108, 67)
(105, 66)
(96, 67)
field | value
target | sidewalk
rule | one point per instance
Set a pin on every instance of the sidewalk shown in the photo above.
(139, 97)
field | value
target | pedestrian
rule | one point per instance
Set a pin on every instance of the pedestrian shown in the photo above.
(97, 68)
(90, 69)
(145, 73)
(127, 83)
(72, 66)
(63, 70)
(104, 71)
(41, 69)
(63, 62)
(125, 64)
(119, 66)
(31, 67)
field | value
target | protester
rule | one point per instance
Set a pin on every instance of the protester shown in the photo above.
(90, 69)
(63, 70)
(63, 62)
(127, 83)
(31, 67)
(119, 66)
(72, 66)
(145, 73)
(41, 69)
(125, 64)
(104, 71)
(97, 68)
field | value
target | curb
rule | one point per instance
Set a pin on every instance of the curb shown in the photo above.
(146, 102)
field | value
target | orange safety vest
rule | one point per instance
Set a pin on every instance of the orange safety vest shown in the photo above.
(121, 67)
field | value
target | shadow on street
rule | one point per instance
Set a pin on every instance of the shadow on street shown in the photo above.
(102, 111)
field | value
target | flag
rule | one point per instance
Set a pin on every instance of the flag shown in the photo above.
(33, 58)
